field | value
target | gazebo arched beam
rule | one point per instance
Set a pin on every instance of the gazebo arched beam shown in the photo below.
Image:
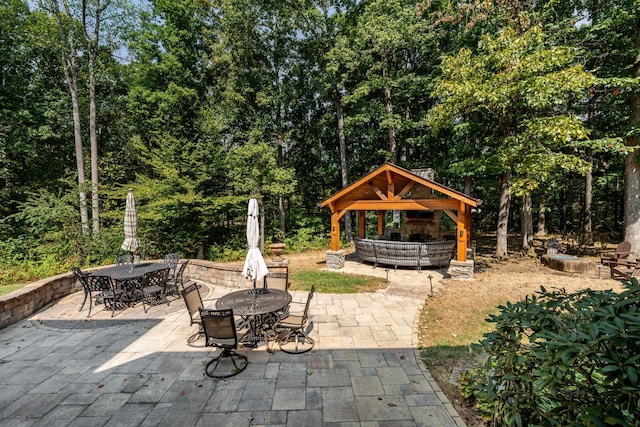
(400, 205)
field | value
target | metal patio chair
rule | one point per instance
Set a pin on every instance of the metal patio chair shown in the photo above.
(220, 331)
(123, 259)
(102, 288)
(151, 288)
(175, 284)
(277, 280)
(293, 330)
(81, 277)
(172, 261)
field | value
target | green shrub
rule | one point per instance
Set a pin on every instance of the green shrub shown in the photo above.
(562, 359)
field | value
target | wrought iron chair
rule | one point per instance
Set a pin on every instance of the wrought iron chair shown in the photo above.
(293, 330)
(123, 259)
(176, 283)
(152, 286)
(102, 288)
(81, 277)
(220, 331)
(172, 260)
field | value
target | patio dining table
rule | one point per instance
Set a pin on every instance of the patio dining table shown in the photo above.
(125, 272)
(255, 305)
(128, 276)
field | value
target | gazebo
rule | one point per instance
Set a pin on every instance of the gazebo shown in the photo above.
(392, 188)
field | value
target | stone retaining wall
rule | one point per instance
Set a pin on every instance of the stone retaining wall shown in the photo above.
(26, 301)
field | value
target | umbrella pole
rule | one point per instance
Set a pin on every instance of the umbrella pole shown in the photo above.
(131, 263)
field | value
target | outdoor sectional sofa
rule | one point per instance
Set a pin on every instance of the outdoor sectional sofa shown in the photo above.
(406, 254)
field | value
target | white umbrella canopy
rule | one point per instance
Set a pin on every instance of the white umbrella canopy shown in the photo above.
(254, 266)
(131, 240)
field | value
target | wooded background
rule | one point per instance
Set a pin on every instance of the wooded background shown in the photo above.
(199, 105)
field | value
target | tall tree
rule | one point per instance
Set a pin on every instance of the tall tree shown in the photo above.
(387, 56)
(632, 164)
(518, 87)
(68, 31)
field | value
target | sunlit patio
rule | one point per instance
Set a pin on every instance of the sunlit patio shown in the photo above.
(60, 368)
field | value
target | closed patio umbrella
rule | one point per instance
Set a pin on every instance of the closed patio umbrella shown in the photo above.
(254, 266)
(131, 240)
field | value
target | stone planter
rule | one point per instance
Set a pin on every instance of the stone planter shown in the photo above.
(277, 249)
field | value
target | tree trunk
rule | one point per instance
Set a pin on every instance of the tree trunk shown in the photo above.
(632, 166)
(92, 49)
(588, 200)
(468, 183)
(542, 224)
(69, 68)
(344, 171)
(526, 225)
(632, 200)
(281, 206)
(388, 105)
(337, 102)
(392, 132)
(503, 216)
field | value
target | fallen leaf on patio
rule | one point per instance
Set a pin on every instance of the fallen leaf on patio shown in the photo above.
(183, 392)
(379, 398)
(402, 357)
(391, 404)
(100, 385)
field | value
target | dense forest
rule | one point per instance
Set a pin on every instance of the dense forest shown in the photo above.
(198, 105)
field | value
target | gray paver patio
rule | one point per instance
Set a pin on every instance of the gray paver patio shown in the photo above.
(137, 369)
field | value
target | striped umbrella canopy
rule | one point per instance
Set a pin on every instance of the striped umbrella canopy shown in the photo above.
(254, 266)
(131, 241)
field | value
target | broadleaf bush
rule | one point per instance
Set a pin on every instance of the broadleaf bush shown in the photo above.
(562, 359)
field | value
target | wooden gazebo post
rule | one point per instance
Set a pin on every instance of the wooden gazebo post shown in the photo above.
(461, 233)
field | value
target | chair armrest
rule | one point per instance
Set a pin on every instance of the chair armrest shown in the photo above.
(624, 263)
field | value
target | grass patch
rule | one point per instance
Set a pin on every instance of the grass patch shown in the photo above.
(5, 289)
(334, 283)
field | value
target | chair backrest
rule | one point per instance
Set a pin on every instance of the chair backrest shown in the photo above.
(123, 259)
(623, 249)
(99, 283)
(80, 276)
(219, 328)
(172, 260)
(277, 280)
(305, 315)
(192, 299)
(183, 266)
(155, 278)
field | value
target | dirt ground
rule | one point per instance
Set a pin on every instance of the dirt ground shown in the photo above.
(456, 317)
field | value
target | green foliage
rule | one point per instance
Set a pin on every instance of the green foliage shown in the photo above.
(307, 238)
(220, 101)
(562, 359)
